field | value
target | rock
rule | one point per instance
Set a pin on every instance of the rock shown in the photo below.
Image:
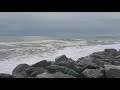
(80, 59)
(55, 68)
(3, 75)
(60, 59)
(20, 68)
(87, 63)
(21, 75)
(111, 51)
(38, 70)
(43, 63)
(112, 71)
(45, 75)
(93, 73)
(79, 69)
(55, 75)
(98, 55)
(71, 72)
(116, 63)
(30, 70)
(64, 61)
(108, 67)
(71, 64)
(62, 75)
(99, 62)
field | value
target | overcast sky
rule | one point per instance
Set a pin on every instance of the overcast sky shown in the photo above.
(60, 23)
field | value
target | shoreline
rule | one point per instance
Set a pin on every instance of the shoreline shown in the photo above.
(103, 64)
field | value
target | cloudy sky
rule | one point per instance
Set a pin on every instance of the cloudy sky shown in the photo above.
(60, 23)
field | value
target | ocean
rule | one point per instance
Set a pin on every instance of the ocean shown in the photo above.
(16, 50)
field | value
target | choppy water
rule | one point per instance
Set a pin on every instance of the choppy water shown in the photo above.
(31, 49)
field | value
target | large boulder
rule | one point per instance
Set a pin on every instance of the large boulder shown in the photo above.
(38, 70)
(21, 75)
(43, 63)
(112, 71)
(116, 63)
(20, 68)
(55, 68)
(30, 70)
(45, 75)
(71, 72)
(87, 63)
(62, 75)
(79, 69)
(3, 75)
(61, 58)
(55, 75)
(93, 73)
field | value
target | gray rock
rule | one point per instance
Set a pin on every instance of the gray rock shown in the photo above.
(87, 63)
(55, 68)
(55, 75)
(71, 72)
(79, 69)
(45, 75)
(20, 68)
(92, 73)
(3, 75)
(38, 70)
(117, 63)
(43, 63)
(60, 59)
(112, 71)
(62, 75)
(30, 70)
(21, 75)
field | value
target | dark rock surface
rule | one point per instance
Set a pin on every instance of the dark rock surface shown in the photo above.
(43, 63)
(38, 70)
(20, 68)
(3, 75)
(55, 75)
(93, 73)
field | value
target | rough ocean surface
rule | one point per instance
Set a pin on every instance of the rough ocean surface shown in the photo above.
(29, 50)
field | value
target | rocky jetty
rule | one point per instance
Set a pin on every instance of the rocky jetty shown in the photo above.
(104, 64)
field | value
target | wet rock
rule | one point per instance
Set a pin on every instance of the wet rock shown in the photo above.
(92, 73)
(43, 63)
(20, 68)
(38, 70)
(3, 75)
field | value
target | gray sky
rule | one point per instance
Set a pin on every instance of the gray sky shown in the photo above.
(60, 23)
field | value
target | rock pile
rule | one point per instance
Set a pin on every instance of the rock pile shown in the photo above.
(104, 64)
